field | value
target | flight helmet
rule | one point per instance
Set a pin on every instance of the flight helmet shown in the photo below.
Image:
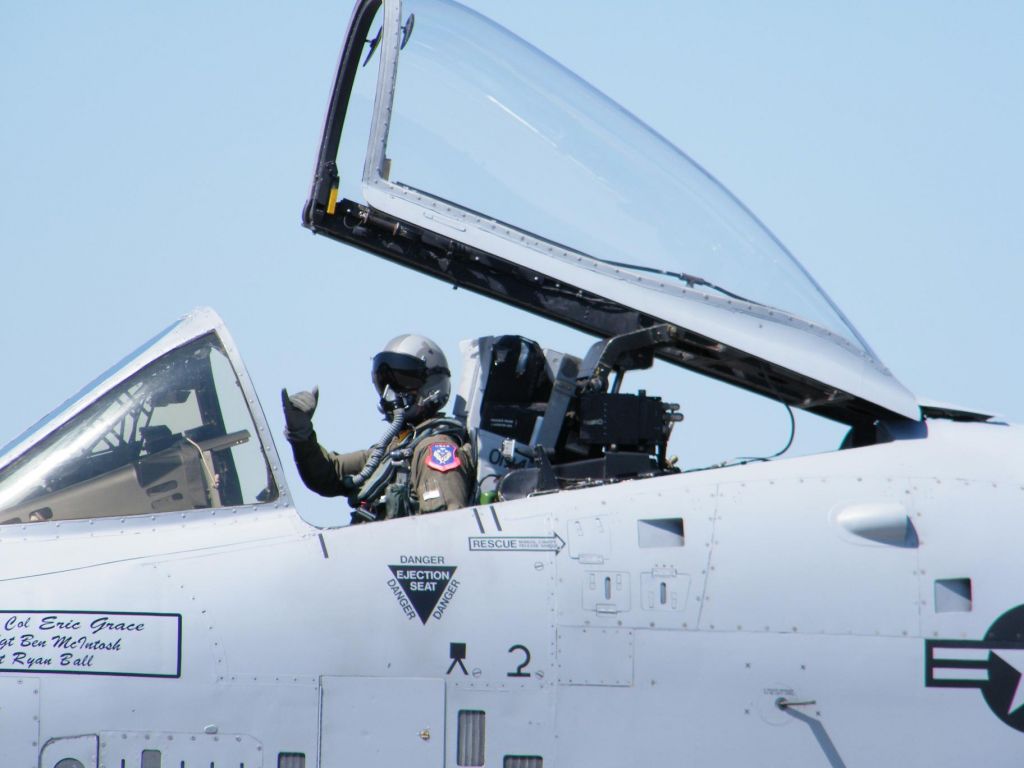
(411, 372)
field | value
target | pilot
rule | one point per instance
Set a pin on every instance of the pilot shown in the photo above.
(422, 463)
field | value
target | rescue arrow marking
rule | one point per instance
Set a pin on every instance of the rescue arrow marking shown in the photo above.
(516, 543)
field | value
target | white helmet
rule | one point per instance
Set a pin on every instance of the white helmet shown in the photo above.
(415, 368)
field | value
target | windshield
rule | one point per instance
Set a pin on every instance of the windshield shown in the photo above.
(484, 121)
(175, 436)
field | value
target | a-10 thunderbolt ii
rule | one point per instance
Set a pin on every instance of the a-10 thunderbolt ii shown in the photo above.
(597, 606)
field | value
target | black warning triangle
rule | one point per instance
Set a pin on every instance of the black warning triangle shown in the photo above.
(423, 585)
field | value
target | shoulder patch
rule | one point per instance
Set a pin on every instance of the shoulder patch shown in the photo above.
(443, 457)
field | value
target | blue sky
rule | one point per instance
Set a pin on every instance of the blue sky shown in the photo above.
(156, 157)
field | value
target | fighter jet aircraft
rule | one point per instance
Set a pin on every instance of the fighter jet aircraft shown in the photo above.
(163, 605)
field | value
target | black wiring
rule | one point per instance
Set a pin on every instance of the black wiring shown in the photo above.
(786, 447)
(479, 487)
(741, 460)
(480, 482)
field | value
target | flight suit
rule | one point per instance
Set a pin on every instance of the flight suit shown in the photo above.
(442, 473)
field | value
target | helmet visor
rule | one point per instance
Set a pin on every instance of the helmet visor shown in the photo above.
(401, 372)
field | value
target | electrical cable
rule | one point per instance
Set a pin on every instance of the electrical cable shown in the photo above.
(741, 460)
(786, 447)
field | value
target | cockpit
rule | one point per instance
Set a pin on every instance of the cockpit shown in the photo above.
(456, 149)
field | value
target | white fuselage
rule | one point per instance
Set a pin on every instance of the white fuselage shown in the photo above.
(591, 627)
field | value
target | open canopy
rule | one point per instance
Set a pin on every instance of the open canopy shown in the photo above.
(455, 148)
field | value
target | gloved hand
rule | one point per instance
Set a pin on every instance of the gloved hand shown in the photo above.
(298, 414)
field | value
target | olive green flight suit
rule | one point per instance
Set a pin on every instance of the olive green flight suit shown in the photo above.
(438, 479)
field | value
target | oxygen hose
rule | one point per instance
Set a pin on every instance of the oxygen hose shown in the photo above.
(379, 449)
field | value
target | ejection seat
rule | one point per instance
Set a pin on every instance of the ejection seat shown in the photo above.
(543, 420)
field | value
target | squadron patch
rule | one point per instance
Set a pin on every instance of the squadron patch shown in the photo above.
(443, 457)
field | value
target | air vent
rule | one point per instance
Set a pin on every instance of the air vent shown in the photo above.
(291, 760)
(952, 595)
(471, 737)
(523, 761)
(151, 758)
(660, 532)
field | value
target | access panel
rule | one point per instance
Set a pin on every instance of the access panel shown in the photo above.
(382, 721)
(19, 721)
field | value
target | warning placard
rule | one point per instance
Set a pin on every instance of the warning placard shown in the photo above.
(423, 585)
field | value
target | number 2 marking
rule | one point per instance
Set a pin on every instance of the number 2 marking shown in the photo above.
(526, 662)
